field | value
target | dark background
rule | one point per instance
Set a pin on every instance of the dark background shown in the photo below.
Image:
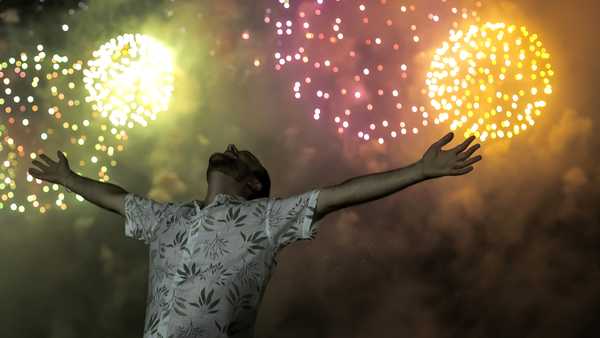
(510, 250)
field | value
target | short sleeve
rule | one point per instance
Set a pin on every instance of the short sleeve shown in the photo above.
(143, 216)
(292, 218)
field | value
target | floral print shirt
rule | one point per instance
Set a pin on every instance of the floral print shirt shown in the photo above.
(209, 264)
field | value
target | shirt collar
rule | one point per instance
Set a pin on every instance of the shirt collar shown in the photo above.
(220, 197)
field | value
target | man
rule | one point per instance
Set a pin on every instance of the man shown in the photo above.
(211, 260)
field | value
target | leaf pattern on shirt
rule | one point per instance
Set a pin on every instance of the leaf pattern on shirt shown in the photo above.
(176, 304)
(180, 241)
(187, 273)
(291, 215)
(234, 218)
(189, 331)
(235, 200)
(216, 247)
(222, 330)
(194, 227)
(166, 302)
(287, 216)
(230, 328)
(205, 302)
(253, 242)
(237, 300)
(288, 237)
(162, 249)
(216, 274)
(170, 270)
(170, 220)
(248, 273)
(137, 232)
(260, 212)
(159, 293)
(152, 324)
(146, 215)
(211, 222)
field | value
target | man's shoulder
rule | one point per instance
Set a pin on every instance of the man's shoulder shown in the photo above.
(183, 207)
(261, 202)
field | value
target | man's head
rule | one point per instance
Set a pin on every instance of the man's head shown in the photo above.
(238, 172)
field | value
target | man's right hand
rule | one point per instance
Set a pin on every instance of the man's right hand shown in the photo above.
(51, 171)
(438, 162)
(103, 194)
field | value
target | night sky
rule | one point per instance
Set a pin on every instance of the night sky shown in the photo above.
(509, 250)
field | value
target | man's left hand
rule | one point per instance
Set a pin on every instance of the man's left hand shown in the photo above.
(453, 162)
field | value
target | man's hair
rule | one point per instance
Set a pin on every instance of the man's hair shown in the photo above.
(262, 175)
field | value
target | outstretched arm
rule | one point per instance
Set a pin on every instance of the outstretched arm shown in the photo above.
(434, 163)
(104, 195)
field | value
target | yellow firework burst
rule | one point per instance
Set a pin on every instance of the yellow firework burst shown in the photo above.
(130, 80)
(491, 81)
(41, 113)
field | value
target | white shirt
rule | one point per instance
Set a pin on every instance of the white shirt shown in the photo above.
(209, 265)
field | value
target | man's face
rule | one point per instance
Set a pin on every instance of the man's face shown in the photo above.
(234, 163)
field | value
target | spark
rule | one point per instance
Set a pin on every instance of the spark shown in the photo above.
(491, 81)
(130, 80)
(342, 56)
